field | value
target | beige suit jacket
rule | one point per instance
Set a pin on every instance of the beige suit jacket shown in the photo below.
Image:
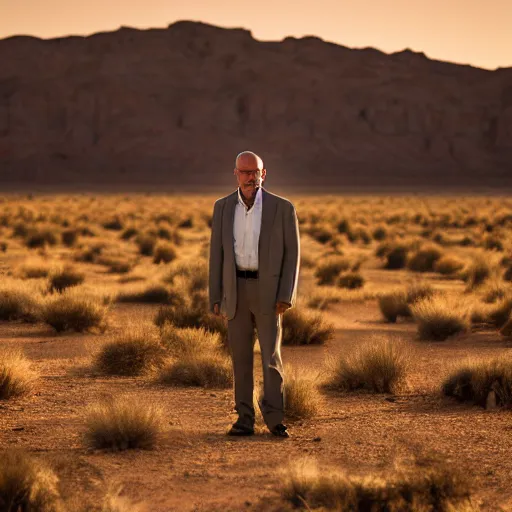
(278, 254)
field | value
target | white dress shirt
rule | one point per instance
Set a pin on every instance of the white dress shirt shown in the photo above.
(246, 231)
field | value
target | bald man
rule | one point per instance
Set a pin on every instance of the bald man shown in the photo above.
(254, 266)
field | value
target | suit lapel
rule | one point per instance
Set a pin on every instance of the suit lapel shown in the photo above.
(269, 207)
(229, 221)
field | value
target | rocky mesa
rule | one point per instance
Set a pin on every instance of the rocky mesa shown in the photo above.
(172, 107)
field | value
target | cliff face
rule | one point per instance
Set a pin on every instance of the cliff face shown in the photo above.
(176, 105)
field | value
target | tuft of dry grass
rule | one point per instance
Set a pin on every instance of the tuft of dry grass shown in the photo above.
(424, 259)
(75, 310)
(33, 269)
(26, 484)
(350, 280)
(134, 351)
(431, 489)
(19, 301)
(378, 365)
(181, 342)
(481, 381)
(194, 273)
(448, 265)
(152, 293)
(208, 370)
(121, 423)
(477, 272)
(146, 244)
(303, 327)
(439, 317)
(396, 256)
(16, 375)
(65, 277)
(398, 303)
(330, 268)
(301, 396)
(164, 252)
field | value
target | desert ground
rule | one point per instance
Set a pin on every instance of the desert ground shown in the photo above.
(399, 348)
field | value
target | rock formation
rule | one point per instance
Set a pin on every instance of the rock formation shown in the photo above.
(170, 107)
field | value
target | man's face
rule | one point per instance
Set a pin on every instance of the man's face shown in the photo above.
(249, 176)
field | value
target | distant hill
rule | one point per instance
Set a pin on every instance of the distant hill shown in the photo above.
(171, 107)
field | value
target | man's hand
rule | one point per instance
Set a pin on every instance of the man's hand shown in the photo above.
(216, 309)
(281, 307)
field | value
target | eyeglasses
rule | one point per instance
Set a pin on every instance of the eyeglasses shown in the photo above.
(256, 173)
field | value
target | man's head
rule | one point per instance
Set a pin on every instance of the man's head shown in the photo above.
(250, 173)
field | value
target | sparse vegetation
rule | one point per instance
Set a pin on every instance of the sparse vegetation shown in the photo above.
(435, 488)
(424, 259)
(482, 382)
(301, 394)
(329, 269)
(65, 278)
(164, 252)
(398, 303)
(16, 374)
(121, 423)
(439, 318)
(351, 280)
(19, 302)
(26, 484)
(379, 365)
(302, 327)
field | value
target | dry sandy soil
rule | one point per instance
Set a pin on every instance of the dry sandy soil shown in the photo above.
(197, 467)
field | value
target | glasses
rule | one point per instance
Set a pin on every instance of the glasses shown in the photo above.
(256, 173)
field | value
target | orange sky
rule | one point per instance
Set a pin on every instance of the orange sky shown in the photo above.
(477, 32)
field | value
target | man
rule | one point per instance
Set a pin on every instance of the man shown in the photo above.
(254, 266)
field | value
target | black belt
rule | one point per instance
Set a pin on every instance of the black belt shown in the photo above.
(247, 274)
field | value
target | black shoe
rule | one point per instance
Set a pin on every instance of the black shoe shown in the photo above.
(280, 431)
(237, 429)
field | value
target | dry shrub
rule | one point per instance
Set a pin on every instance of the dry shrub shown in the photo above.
(432, 489)
(380, 233)
(115, 265)
(322, 233)
(134, 351)
(69, 237)
(495, 290)
(3, 246)
(448, 265)
(40, 237)
(424, 259)
(378, 365)
(507, 275)
(113, 224)
(194, 273)
(89, 254)
(329, 270)
(19, 302)
(65, 277)
(208, 370)
(26, 484)
(181, 342)
(122, 423)
(477, 273)
(350, 280)
(395, 255)
(75, 310)
(129, 233)
(16, 375)
(439, 317)
(33, 269)
(301, 396)
(398, 303)
(493, 243)
(153, 293)
(496, 314)
(164, 252)
(146, 244)
(475, 380)
(302, 327)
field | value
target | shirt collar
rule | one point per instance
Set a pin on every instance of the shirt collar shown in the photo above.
(257, 199)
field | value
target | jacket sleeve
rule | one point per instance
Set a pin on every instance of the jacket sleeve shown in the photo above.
(216, 257)
(287, 290)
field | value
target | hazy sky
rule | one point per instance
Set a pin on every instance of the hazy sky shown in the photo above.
(477, 32)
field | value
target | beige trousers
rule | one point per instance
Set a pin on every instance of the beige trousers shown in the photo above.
(241, 343)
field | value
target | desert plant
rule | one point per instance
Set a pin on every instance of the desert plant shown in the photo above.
(194, 273)
(65, 278)
(301, 396)
(121, 423)
(152, 293)
(129, 233)
(378, 365)
(448, 265)
(209, 370)
(40, 237)
(134, 351)
(188, 341)
(19, 302)
(437, 488)
(302, 327)
(146, 244)
(115, 265)
(330, 268)
(424, 259)
(69, 237)
(113, 224)
(75, 310)
(475, 380)
(164, 252)
(33, 269)
(26, 484)
(16, 375)
(439, 318)
(396, 257)
(398, 303)
(496, 314)
(477, 273)
(350, 280)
